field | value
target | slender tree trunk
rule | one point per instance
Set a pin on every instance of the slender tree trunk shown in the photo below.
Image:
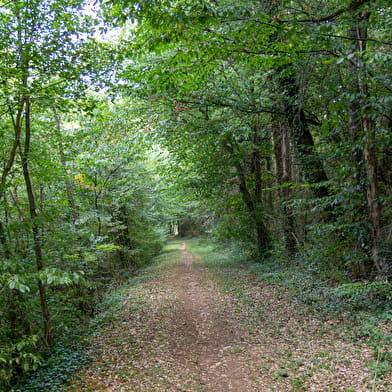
(374, 215)
(68, 182)
(355, 129)
(254, 208)
(99, 220)
(263, 238)
(11, 312)
(24, 153)
(16, 121)
(13, 296)
(262, 235)
(283, 175)
(361, 126)
(257, 167)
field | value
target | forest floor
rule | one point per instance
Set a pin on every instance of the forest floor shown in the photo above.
(181, 330)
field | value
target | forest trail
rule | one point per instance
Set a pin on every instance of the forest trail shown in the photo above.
(178, 332)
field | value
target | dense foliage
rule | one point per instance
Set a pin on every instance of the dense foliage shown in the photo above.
(264, 123)
(283, 105)
(81, 207)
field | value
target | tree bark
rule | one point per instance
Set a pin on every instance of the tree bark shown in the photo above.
(263, 239)
(16, 121)
(361, 126)
(374, 215)
(301, 136)
(355, 129)
(24, 153)
(283, 176)
(253, 202)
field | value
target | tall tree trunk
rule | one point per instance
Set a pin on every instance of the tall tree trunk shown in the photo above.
(18, 325)
(12, 309)
(374, 215)
(310, 162)
(355, 128)
(251, 202)
(24, 155)
(263, 240)
(99, 220)
(16, 121)
(262, 235)
(283, 176)
(361, 126)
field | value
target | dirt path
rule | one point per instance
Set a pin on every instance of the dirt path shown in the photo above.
(177, 332)
(204, 334)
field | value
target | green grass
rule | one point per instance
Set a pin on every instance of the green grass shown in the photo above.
(171, 246)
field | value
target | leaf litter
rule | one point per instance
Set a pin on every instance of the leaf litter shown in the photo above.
(179, 332)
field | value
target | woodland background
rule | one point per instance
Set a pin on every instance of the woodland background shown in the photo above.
(265, 126)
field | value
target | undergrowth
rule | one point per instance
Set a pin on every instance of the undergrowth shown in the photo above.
(70, 352)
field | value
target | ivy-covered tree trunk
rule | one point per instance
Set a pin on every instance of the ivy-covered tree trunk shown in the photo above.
(252, 198)
(302, 139)
(362, 133)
